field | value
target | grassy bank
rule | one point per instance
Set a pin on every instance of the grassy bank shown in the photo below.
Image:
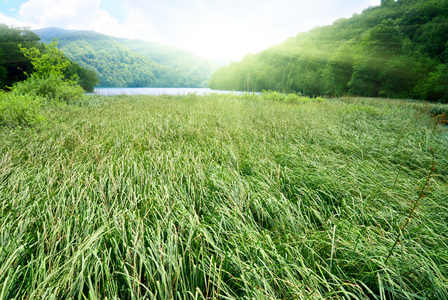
(225, 197)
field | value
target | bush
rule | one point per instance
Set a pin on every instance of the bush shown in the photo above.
(53, 87)
(24, 104)
(20, 110)
(46, 86)
(47, 79)
(289, 98)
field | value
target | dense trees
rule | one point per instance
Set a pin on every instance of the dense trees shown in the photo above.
(17, 45)
(13, 63)
(131, 63)
(180, 68)
(397, 49)
(3, 70)
(376, 50)
(87, 78)
(45, 86)
(114, 64)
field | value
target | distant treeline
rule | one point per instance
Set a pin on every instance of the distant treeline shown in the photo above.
(14, 66)
(131, 63)
(398, 50)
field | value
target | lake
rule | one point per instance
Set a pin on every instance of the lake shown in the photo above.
(159, 91)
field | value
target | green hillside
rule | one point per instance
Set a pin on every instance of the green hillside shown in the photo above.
(397, 50)
(127, 63)
(182, 66)
(15, 66)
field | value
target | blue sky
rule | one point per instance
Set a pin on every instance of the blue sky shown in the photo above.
(213, 29)
(11, 7)
(115, 8)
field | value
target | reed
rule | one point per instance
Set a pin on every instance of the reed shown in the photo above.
(225, 197)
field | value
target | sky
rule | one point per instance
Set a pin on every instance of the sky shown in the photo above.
(217, 30)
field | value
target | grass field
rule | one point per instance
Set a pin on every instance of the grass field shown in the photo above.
(225, 197)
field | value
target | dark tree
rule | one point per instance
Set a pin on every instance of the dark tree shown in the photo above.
(87, 79)
(12, 61)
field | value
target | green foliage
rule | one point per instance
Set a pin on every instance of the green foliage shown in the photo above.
(3, 70)
(13, 63)
(131, 63)
(226, 197)
(21, 55)
(52, 87)
(288, 98)
(338, 71)
(20, 109)
(180, 68)
(3, 74)
(25, 103)
(381, 44)
(86, 78)
(440, 77)
(48, 80)
(433, 38)
(435, 86)
(394, 50)
(46, 86)
(51, 62)
(115, 65)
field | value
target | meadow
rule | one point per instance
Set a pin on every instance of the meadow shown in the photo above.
(225, 197)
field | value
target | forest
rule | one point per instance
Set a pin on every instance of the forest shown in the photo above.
(131, 63)
(15, 66)
(396, 50)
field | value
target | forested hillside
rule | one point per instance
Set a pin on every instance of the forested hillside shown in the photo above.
(13, 63)
(398, 49)
(129, 63)
(182, 67)
(16, 67)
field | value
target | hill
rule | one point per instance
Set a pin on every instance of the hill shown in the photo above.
(397, 50)
(131, 63)
(18, 47)
(182, 66)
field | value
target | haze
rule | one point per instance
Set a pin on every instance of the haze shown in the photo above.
(215, 30)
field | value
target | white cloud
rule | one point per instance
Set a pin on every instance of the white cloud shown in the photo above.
(214, 29)
(218, 29)
(13, 22)
(71, 14)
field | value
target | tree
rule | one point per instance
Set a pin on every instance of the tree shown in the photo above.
(380, 45)
(435, 86)
(87, 79)
(401, 73)
(50, 62)
(396, 49)
(433, 37)
(12, 60)
(47, 81)
(338, 71)
(3, 71)
(386, 2)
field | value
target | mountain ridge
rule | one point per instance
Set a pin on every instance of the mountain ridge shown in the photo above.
(398, 49)
(123, 62)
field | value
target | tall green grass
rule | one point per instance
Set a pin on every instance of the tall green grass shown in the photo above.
(225, 197)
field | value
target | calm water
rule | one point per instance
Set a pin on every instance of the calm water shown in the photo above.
(159, 91)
